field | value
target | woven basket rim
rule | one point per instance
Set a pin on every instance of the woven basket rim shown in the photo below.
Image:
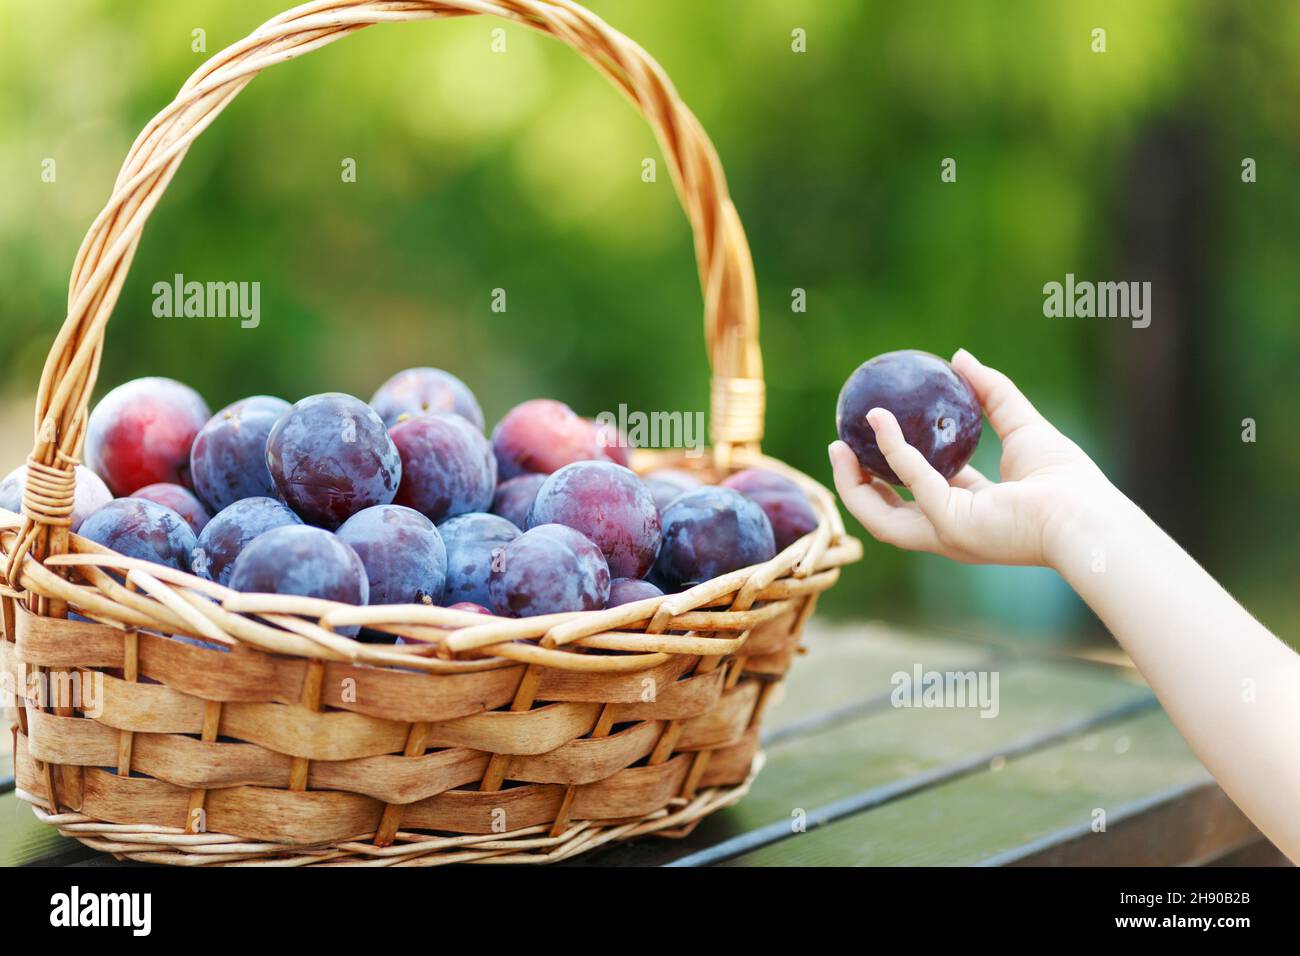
(718, 606)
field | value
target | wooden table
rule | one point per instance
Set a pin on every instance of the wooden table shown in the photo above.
(873, 784)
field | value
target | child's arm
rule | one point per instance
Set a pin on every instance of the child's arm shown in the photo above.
(1230, 686)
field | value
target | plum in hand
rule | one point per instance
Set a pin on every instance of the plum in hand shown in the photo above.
(936, 409)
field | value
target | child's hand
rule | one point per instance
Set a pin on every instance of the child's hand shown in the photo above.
(1193, 643)
(1049, 486)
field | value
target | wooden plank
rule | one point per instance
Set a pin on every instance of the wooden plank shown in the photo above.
(1188, 824)
(841, 769)
(1259, 853)
(848, 667)
(985, 815)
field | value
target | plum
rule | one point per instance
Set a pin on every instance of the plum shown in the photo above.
(627, 590)
(302, 560)
(448, 468)
(549, 569)
(142, 529)
(784, 503)
(403, 553)
(89, 496)
(232, 529)
(609, 505)
(708, 532)
(936, 409)
(667, 483)
(418, 390)
(474, 542)
(515, 497)
(181, 500)
(469, 606)
(228, 460)
(542, 435)
(330, 456)
(140, 433)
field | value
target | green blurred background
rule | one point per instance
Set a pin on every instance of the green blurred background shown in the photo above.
(522, 170)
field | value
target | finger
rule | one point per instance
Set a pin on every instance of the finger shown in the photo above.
(928, 487)
(847, 467)
(887, 492)
(969, 478)
(856, 488)
(884, 514)
(1005, 405)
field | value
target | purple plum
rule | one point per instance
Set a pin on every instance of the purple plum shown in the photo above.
(547, 570)
(232, 529)
(515, 497)
(936, 408)
(142, 529)
(474, 543)
(330, 457)
(784, 503)
(609, 505)
(403, 553)
(708, 532)
(419, 390)
(228, 460)
(448, 468)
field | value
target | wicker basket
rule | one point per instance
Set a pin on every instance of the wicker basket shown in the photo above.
(262, 735)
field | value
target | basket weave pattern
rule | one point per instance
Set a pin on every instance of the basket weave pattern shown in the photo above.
(262, 735)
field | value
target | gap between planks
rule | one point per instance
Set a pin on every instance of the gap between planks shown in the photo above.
(878, 796)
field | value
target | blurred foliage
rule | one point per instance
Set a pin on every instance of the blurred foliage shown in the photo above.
(522, 170)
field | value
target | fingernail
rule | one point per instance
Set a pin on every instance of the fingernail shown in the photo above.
(960, 352)
(873, 418)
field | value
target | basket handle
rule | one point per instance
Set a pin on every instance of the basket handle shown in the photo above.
(721, 250)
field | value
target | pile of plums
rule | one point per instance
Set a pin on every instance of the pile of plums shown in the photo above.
(405, 500)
